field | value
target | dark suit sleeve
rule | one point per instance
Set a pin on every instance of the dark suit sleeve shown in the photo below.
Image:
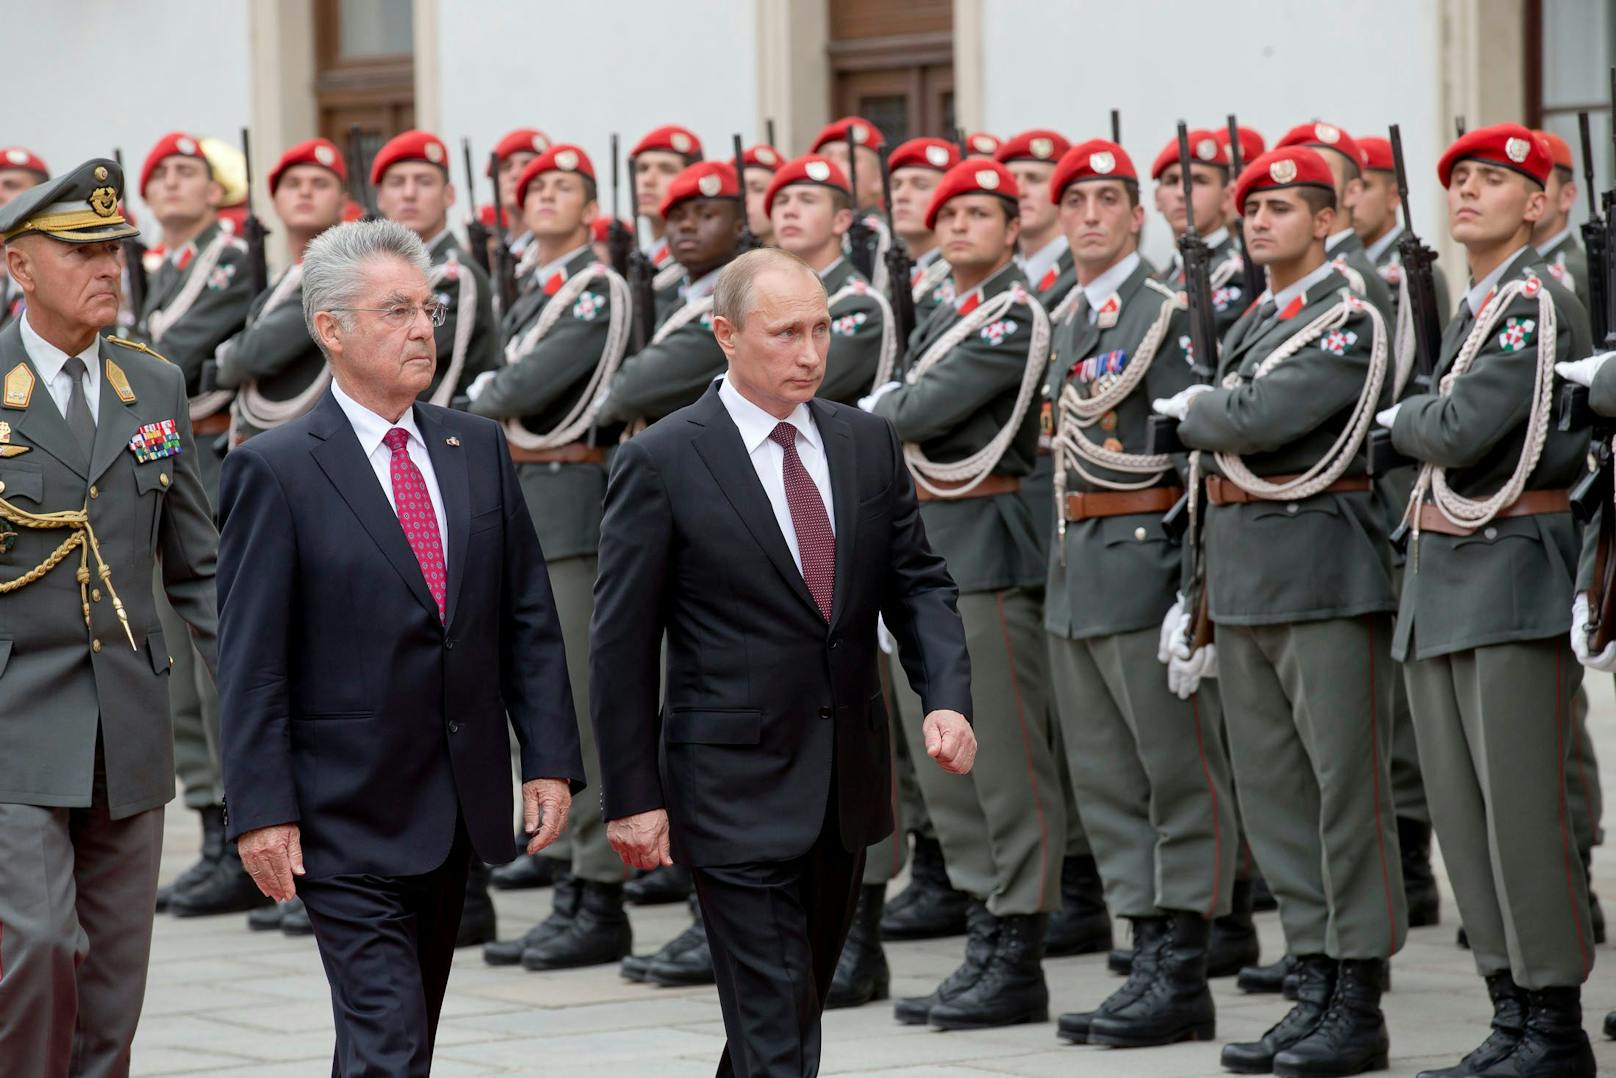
(258, 568)
(625, 635)
(920, 602)
(533, 660)
(188, 543)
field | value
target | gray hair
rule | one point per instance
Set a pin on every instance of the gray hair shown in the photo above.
(333, 264)
(732, 298)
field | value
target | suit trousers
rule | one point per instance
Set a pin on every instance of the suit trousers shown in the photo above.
(1495, 733)
(387, 943)
(1150, 772)
(1307, 707)
(76, 895)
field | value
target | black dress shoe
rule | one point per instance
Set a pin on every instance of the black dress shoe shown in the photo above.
(528, 871)
(661, 886)
(598, 935)
(1610, 1025)
(981, 939)
(684, 960)
(202, 868)
(1419, 882)
(929, 907)
(477, 922)
(1176, 1003)
(1083, 924)
(563, 908)
(1351, 1037)
(268, 918)
(1149, 935)
(637, 967)
(1316, 976)
(1011, 990)
(295, 921)
(227, 889)
(1554, 1044)
(862, 975)
(1266, 979)
(1233, 944)
(1509, 1025)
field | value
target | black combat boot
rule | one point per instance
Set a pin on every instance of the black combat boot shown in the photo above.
(1610, 1025)
(981, 938)
(661, 886)
(1419, 882)
(226, 889)
(1315, 974)
(1554, 1044)
(1509, 1025)
(686, 959)
(269, 918)
(528, 871)
(598, 935)
(637, 967)
(295, 920)
(202, 868)
(1149, 934)
(862, 975)
(564, 902)
(1351, 1038)
(1011, 989)
(1261, 980)
(1082, 925)
(1176, 1003)
(929, 907)
(1119, 960)
(1596, 913)
(477, 923)
(1233, 944)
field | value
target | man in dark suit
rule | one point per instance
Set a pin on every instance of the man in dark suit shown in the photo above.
(384, 605)
(761, 531)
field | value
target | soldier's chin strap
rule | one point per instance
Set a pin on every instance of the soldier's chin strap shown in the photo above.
(83, 538)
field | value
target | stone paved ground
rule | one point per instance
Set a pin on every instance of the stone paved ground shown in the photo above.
(223, 1001)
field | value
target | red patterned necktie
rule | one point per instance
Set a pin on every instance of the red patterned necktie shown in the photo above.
(415, 513)
(816, 543)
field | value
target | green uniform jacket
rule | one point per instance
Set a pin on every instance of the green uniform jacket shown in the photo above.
(457, 280)
(1056, 282)
(274, 348)
(213, 310)
(1351, 253)
(1272, 562)
(1390, 267)
(931, 288)
(60, 679)
(857, 329)
(1512, 580)
(1229, 299)
(1120, 573)
(666, 375)
(1567, 263)
(539, 389)
(956, 409)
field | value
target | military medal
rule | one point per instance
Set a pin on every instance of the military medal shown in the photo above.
(1114, 445)
(19, 386)
(6, 448)
(1108, 422)
(154, 441)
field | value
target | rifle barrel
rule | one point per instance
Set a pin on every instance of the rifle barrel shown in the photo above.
(1184, 178)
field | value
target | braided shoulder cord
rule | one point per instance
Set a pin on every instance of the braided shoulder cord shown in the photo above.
(251, 405)
(888, 356)
(83, 538)
(1403, 338)
(465, 324)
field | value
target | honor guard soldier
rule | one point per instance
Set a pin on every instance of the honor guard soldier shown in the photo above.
(572, 329)
(831, 143)
(916, 168)
(982, 144)
(964, 411)
(512, 153)
(1554, 237)
(1210, 180)
(99, 494)
(411, 177)
(1252, 146)
(1376, 220)
(1306, 653)
(1045, 255)
(761, 164)
(657, 160)
(1487, 601)
(20, 169)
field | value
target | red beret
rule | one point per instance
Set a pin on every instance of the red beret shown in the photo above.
(813, 170)
(561, 157)
(410, 146)
(316, 151)
(1096, 159)
(1559, 150)
(1282, 167)
(933, 153)
(983, 142)
(864, 133)
(1039, 144)
(704, 179)
(16, 157)
(1508, 146)
(1205, 149)
(972, 178)
(522, 140)
(762, 156)
(1252, 144)
(670, 138)
(1377, 153)
(173, 144)
(1323, 136)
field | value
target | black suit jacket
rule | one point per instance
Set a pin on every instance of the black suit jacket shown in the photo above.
(766, 703)
(347, 705)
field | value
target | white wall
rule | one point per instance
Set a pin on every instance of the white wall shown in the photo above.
(1360, 65)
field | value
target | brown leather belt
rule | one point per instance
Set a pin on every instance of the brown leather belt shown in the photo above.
(1090, 505)
(991, 486)
(217, 423)
(1530, 503)
(571, 453)
(1220, 491)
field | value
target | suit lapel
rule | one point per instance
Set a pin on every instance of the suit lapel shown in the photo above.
(116, 422)
(41, 425)
(449, 463)
(838, 440)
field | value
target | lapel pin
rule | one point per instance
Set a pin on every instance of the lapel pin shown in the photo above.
(452, 440)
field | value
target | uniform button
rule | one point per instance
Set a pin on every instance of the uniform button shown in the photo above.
(1292, 508)
(95, 595)
(835, 642)
(163, 479)
(454, 727)
(95, 646)
(171, 661)
(1139, 534)
(2, 488)
(1490, 534)
(94, 492)
(449, 644)
(824, 712)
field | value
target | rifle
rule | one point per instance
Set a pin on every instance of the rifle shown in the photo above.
(899, 270)
(640, 272)
(253, 231)
(134, 263)
(359, 170)
(504, 261)
(476, 232)
(858, 236)
(768, 131)
(747, 242)
(1252, 277)
(959, 140)
(1458, 126)
(1116, 126)
(619, 241)
(1594, 493)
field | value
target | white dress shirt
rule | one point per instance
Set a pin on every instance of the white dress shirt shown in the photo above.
(769, 458)
(1381, 246)
(1036, 264)
(48, 361)
(371, 429)
(1336, 240)
(1100, 289)
(1483, 288)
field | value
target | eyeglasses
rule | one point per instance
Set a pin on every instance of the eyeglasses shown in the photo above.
(403, 314)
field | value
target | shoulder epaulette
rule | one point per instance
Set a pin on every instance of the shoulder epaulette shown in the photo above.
(137, 346)
(1173, 295)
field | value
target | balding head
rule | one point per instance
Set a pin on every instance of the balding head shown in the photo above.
(772, 320)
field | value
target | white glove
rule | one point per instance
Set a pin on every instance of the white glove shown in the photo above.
(1582, 371)
(1186, 669)
(1178, 405)
(1174, 625)
(1605, 661)
(479, 384)
(1389, 416)
(867, 404)
(882, 636)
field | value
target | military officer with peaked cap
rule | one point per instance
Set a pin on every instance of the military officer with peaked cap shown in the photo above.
(98, 485)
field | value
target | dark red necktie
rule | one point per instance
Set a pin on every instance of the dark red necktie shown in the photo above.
(816, 543)
(415, 513)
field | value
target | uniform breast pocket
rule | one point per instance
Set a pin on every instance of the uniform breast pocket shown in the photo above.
(23, 481)
(152, 483)
(487, 520)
